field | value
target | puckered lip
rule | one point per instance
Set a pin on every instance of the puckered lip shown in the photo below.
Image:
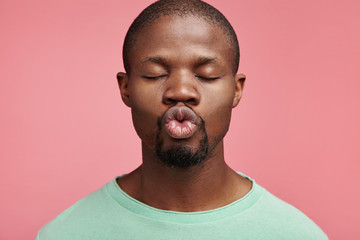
(180, 113)
(180, 122)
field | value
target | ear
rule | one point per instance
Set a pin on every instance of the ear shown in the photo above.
(239, 87)
(123, 85)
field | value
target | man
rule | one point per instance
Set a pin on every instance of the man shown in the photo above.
(181, 83)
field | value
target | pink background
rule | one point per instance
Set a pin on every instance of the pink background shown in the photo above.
(65, 131)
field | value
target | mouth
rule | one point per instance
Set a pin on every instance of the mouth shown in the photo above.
(180, 122)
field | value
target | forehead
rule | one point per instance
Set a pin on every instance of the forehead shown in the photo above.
(180, 38)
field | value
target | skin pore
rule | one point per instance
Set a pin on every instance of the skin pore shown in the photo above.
(187, 63)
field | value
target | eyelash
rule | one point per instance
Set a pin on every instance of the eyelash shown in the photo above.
(200, 77)
(207, 79)
(155, 77)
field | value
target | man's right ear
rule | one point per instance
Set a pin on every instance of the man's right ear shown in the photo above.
(122, 79)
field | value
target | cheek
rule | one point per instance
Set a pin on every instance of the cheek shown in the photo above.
(219, 108)
(219, 122)
(145, 126)
(145, 113)
(142, 94)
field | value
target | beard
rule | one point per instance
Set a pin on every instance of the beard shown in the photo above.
(182, 156)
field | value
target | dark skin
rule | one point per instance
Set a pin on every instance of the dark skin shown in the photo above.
(182, 61)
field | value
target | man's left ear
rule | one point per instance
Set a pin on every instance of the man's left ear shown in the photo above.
(239, 87)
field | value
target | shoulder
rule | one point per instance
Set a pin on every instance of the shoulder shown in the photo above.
(88, 211)
(274, 213)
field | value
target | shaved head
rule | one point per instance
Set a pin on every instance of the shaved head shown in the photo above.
(181, 8)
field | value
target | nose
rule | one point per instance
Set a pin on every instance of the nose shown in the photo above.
(181, 88)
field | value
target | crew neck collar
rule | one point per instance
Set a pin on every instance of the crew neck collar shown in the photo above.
(139, 208)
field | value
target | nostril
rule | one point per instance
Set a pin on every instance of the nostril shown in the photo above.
(171, 100)
(191, 100)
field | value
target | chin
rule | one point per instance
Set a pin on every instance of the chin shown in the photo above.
(182, 154)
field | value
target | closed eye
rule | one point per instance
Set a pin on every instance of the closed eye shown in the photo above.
(207, 78)
(154, 77)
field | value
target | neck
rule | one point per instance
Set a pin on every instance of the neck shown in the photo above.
(209, 185)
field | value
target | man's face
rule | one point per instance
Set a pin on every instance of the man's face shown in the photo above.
(181, 89)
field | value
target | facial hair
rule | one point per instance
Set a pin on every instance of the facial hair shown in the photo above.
(182, 156)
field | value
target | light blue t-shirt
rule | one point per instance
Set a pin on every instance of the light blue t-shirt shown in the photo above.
(110, 213)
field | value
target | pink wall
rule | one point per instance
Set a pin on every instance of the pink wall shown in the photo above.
(65, 132)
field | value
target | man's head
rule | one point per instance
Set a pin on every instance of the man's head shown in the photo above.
(180, 81)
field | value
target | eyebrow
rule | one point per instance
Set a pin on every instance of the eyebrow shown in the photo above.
(155, 59)
(199, 60)
(202, 60)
